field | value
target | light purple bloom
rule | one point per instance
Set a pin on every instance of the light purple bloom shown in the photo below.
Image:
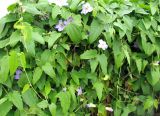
(17, 75)
(79, 91)
(68, 21)
(18, 72)
(60, 26)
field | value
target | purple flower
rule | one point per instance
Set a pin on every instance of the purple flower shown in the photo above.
(79, 91)
(68, 21)
(18, 72)
(60, 26)
(17, 75)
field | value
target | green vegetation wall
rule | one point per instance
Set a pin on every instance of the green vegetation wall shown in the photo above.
(80, 58)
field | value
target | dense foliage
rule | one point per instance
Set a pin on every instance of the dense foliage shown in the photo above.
(80, 58)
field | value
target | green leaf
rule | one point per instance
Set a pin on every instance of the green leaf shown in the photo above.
(141, 11)
(13, 62)
(74, 33)
(72, 92)
(102, 59)
(55, 11)
(139, 64)
(37, 75)
(43, 104)
(2, 100)
(156, 103)
(48, 69)
(126, 52)
(89, 54)
(25, 88)
(75, 76)
(94, 32)
(99, 89)
(145, 88)
(147, 46)
(34, 110)
(155, 76)
(120, 25)
(6, 19)
(4, 43)
(22, 59)
(149, 102)
(153, 7)
(27, 40)
(125, 11)
(16, 99)
(15, 38)
(31, 8)
(147, 23)
(93, 65)
(5, 108)
(47, 88)
(4, 69)
(29, 97)
(61, 59)
(52, 108)
(38, 37)
(118, 53)
(74, 4)
(128, 109)
(53, 38)
(101, 110)
(65, 101)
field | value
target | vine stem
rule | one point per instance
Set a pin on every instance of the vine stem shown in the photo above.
(32, 85)
(79, 107)
(4, 89)
(127, 90)
(30, 81)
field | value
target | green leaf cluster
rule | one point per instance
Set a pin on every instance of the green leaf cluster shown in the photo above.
(64, 72)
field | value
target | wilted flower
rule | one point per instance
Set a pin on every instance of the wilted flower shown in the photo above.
(59, 2)
(60, 26)
(86, 8)
(79, 91)
(4, 4)
(109, 109)
(64, 89)
(102, 44)
(90, 105)
(17, 75)
(156, 63)
(135, 45)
